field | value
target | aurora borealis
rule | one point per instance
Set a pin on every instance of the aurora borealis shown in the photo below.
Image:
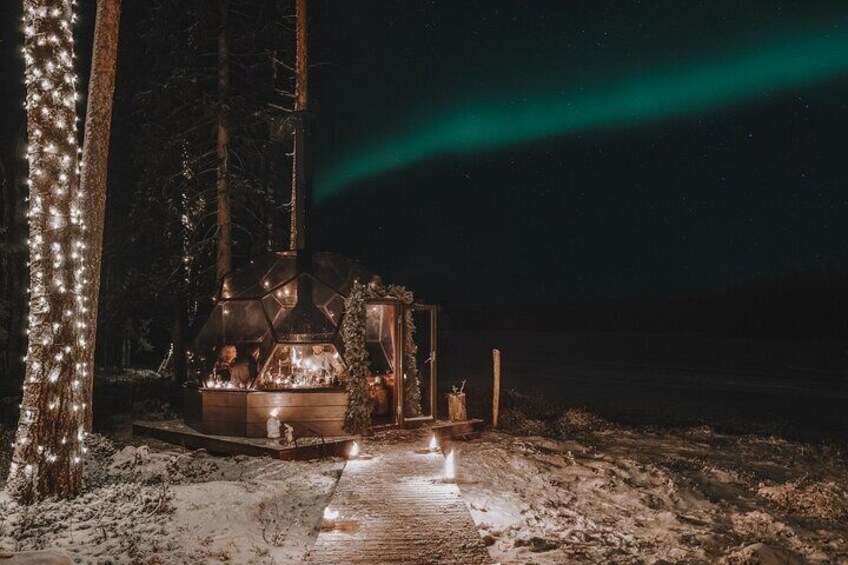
(700, 84)
(639, 147)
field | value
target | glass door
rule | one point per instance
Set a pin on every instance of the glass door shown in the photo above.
(418, 363)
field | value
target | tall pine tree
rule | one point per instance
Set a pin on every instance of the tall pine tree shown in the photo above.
(95, 155)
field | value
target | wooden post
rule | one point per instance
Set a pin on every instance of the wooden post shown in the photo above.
(496, 392)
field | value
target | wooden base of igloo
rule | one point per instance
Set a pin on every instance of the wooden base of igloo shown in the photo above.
(245, 413)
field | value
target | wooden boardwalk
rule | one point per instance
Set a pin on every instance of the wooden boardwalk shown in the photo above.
(396, 508)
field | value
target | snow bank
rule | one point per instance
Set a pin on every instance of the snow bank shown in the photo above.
(622, 495)
(147, 505)
(35, 558)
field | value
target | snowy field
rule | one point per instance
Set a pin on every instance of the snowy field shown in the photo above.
(618, 495)
(601, 494)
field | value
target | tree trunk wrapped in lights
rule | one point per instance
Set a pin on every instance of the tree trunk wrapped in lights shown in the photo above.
(49, 442)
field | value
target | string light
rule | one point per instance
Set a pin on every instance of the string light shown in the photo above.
(56, 351)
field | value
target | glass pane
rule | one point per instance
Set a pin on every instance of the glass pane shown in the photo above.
(333, 270)
(241, 321)
(238, 330)
(241, 283)
(281, 270)
(328, 301)
(279, 303)
(423, 359)
(233, 322)
(379, 337)
(338, 271)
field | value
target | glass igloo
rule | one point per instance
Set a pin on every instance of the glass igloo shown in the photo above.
(276, 321)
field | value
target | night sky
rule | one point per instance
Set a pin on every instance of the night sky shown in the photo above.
(564, 149)
(547, 149)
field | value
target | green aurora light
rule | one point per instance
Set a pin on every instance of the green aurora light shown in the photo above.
(720, 81)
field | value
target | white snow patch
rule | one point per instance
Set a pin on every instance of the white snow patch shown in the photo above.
(627, 496)
(145, 505)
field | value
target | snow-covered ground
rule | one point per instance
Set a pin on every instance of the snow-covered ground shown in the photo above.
(164, 506)
(604, 494)
(617, 495)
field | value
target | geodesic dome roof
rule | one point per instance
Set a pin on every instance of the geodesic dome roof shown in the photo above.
(256, 304)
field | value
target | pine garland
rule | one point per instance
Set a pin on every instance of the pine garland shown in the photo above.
(411, 382)
(358, 416)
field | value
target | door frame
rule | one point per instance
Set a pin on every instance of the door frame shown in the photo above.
(402, 420)
(400, 310)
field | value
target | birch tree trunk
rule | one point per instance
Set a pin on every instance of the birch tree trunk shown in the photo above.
(95, 157)
(225, 242)
(48, 445)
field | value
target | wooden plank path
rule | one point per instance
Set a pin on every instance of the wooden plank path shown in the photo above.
(397, 508)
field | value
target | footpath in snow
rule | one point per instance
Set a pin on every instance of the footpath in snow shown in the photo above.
(397, 507)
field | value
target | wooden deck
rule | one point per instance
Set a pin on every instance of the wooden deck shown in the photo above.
(446, 430)
(178, 433)
(396, 508)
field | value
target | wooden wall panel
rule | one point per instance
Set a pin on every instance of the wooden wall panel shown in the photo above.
(224, 414)
(245, 414)
(224, 398)
(274, 399)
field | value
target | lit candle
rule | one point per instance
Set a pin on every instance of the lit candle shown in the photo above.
(354, 451)
(273, 425)
(450, 468)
